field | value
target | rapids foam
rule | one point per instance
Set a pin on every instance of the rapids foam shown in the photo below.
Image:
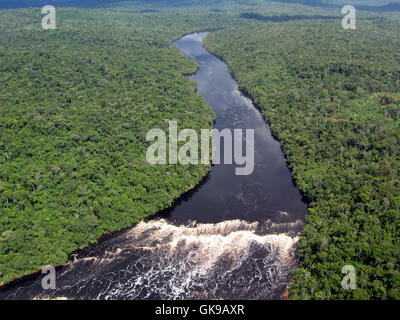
(159, 260)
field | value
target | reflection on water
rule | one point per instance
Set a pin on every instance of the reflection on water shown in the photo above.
(262, 195)
(242, 245)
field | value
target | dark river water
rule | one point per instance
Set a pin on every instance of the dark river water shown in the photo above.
(234, 237)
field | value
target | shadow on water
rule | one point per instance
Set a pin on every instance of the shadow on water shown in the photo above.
(166, 213)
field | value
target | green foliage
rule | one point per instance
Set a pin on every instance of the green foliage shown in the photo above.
(76, 104)
(332, 97)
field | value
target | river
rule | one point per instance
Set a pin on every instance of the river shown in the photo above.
(234, 237)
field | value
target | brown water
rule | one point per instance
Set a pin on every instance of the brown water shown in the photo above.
(234, 237)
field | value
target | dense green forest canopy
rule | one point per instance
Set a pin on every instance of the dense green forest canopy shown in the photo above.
(77, 102)
(333, 99)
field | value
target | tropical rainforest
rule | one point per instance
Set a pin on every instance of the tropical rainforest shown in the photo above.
(76, 104)
(332, 97)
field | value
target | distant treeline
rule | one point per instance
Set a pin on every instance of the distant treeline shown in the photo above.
(8, 4)
(13, 4)
(283, 18)
(319, 3)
